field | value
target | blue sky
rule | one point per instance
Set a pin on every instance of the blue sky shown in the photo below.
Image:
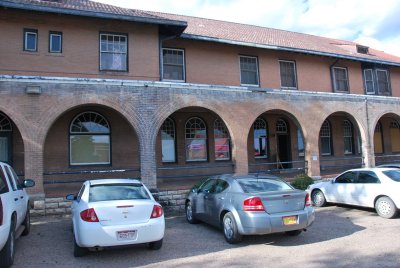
(369, 22)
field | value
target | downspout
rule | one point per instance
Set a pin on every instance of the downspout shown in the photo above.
(368, 133)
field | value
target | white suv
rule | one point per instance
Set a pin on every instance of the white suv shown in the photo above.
(14, 212)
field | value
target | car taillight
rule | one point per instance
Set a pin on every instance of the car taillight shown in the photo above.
(157, 212)
(89, 215)
(253, 204)
(1, 212)
(307, 202)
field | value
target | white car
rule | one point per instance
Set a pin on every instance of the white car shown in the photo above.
(14, 212)
(377, 188)
(115, 212)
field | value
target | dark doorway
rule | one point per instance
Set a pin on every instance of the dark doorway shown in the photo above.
(5, 147)
(283, 151)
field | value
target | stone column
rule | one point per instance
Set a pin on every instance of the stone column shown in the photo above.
(239, 150)
(148, 165)
(312, 154)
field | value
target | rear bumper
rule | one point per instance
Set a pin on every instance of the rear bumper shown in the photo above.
(95, 235)
(252, 223)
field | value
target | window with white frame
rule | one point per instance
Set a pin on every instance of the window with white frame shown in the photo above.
(173, 64)
(288, 74)
(281, 127)
(348, 137)
(340, 79)
(168, 141)
(369, 81)
(221, 141)
(196, 140)
(249, 71)
(377, 81)
(113, 52)
(55, 42)
(260, 138)
(89, 140)
(30, 40)
(325, 138)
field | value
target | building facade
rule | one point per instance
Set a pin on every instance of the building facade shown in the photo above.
(89, 91)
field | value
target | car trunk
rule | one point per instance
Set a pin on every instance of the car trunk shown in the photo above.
(123, 212)
(283, 201)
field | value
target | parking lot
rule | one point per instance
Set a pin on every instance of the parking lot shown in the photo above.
(341, 236)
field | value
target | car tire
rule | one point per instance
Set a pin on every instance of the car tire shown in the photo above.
(8, 252)
(385, 207)
(231, 232)
(293, 233)
(189, 213)
(27, 223)
(79, 251)
(156, 245)
(318, 198)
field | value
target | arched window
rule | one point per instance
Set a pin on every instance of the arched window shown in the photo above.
(221, 141)
(348, 137)
(281, 127)
(260, 138)
(5, 139)
(89, 140)
(395, 136)
(325, 138)
(378, 141)
(168, 141)
(196, 140)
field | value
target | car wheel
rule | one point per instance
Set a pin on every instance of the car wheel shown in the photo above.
(27, 223)
(79, 251)
(8, 252)
(318, 198)
(189, 213)
(231, 232)
(293, 233)
(385, 207)
(156, 245)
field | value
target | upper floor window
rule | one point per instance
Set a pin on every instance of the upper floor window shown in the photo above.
(196, 140)
(173, 64)
(288, 74)
(168, 141)
(89, 140)
(348, 137)
(30, 40)
(260, 138)
(113, 52)
(340, 79)
(221, 140)
(55, 42)
(376, 81)
(249, 71)
(325, 138)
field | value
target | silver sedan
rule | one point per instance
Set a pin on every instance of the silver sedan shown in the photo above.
(250, 205)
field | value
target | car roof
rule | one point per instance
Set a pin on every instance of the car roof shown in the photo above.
(113, 181)
(229, 177)
(372, 169)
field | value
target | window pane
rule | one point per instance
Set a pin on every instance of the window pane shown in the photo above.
(369, 81)
(55, 43)
(340, 76)
(196, 149)
(4, 149)
(90, 149)
(30, 42)
(300, 143)
(260, 138)
(168, 140)
(248, 71)
(325, 145)
(383, 83)
(113, 52)
(173, 64)
(222, 149)
(288, 74)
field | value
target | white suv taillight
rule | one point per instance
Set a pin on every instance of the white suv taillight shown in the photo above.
(89, 215)
(253, 204)
(157, 212)
(307, 202)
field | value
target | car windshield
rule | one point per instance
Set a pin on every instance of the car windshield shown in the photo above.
(393, 174)
(105, 192)
(263, 185)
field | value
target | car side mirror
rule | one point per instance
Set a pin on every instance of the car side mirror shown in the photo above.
(28, 183)
(71, 197)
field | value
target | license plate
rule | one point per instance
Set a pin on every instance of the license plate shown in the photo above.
(289, 220)
(126, 235)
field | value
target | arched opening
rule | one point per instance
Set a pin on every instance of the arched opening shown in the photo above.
(192, 143)
(387, 139)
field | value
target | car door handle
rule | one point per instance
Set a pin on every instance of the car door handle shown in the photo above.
(221, 198)
(22, 197)
(16, 199)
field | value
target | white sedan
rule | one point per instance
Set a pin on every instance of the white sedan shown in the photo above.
(115, 212)
(377, 188)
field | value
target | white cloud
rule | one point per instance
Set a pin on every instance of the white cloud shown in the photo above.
(373, 23)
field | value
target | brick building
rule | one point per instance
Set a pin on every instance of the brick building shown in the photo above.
(89, 90)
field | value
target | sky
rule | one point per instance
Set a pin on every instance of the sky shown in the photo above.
(374, 23)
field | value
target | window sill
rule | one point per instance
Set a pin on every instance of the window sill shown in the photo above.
(31, 53)
(54, 54)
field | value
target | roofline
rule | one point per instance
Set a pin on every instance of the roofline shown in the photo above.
(289, 49)
(86, 13)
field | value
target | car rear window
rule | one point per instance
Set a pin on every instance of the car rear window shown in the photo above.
(263, 185)
(393, 174)
(106, 192)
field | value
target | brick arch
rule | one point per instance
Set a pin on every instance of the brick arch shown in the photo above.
(377, 116)
(22, 123)
(61, 107)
